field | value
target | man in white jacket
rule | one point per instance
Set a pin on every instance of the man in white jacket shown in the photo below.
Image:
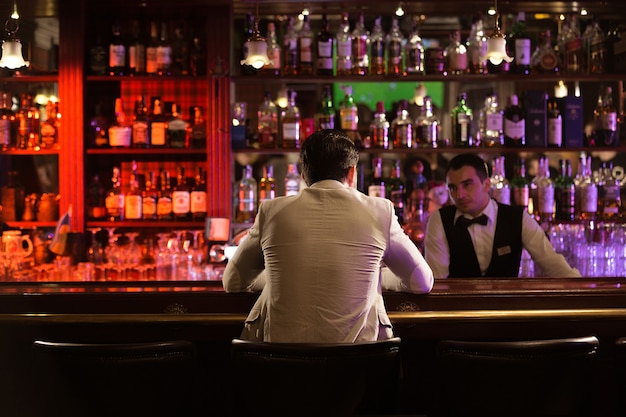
(324, 255)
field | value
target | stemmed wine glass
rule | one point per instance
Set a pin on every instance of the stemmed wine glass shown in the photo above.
(198, 256)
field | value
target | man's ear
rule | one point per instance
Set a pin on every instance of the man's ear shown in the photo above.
(352, 177)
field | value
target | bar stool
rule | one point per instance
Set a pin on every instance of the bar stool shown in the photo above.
(536, 378)
(131, 379)
(309, 379)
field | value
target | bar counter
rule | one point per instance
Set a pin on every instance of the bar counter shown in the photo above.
(492, 309)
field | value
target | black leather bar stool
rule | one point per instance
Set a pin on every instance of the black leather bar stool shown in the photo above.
(536, 378)
(105, 380)
(302, 379)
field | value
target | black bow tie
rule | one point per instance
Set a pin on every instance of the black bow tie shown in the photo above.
(464, 221)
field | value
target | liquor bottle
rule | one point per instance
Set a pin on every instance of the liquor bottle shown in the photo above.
(274, 52)
(605, 120)
(514, 124)
(520, 186)
(477, 48)
(176, 135)
(267, 184)
(165, 202)
(98, 55)
(325, 46)
(427, 126)
(395, 191)
(455, 55)
(98, 129)
(377, 49)
(573, 61)
(8, 123)
(290, 123)
(594, 49)
(395, 41)
(609, 200)
(414, 51)
(588, 193)
(95, 200)
(379, 128)
(461, 116)
(115, 198)
(180, 50)
(181, 197)
(247, 206)
(28, 123)
(325, 115)
(545, 193)
(197, 57)
(158, 124)
(133, 204)
(50, 127)
(360, 46)
(120, 131)
(149, 198)
(565, 192)
(555, 125)
(306, 60)
(500, 187)
(117, 52)
(164, 52)
(377, 186)
(348, 114)
(198, 202)
(578, 182)
(401, 127)
(290, 49)
(197, 128)
(491, 123)
(267, 128)
(521, 45)
(137, 51)
(141, 125)
(292, 180)
(544, 59)
(152, 67)
(344, 46)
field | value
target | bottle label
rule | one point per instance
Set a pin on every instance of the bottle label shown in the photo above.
(291, 131)
(377, 190)
(344, 48)
(555, 132)
(325, 49)
(521, 195)
(180, 202)
(133, 207)
(198, 202)
(140, 133)
(115, 205)
(151, 60)
(117, 56)
(609, 121)
(292, 186)
(349, 119)
(164, 206)
(163, 57)
(5, 132)
(589, 199)
(522, 52)
(306, 55)
(119, 136)
(247, 201)
(514, 130)
(546, 199)
(158, 133)
(502, 195)
(494, 122)
(149, 207)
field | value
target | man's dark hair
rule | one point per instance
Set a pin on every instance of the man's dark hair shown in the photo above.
(471, 160)
(327, 155)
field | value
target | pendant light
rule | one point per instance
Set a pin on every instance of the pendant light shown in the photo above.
(256, 46)
(496, 43)
(12, 47)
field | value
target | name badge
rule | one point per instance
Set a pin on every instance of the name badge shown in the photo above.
(504, 250)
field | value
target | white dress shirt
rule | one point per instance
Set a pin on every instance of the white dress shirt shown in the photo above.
(321, 253)
(534, 240)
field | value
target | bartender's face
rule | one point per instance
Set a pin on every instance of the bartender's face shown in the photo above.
(469, 193)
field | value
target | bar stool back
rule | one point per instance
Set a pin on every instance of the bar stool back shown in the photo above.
(134, 379)
(302, 379)
(536, 378)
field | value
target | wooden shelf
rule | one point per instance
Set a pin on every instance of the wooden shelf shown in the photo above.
(146, 151)
(174, 225)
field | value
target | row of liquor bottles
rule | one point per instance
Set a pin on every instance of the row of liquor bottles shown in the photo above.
(160, 125)
(149, 196)
(588, 195)
(148, 47)
(25, 125)
(364, 49)
(533, 119)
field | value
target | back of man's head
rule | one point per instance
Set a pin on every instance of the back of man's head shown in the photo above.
(327, 155)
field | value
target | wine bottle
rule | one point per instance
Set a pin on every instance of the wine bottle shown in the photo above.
(514, 124)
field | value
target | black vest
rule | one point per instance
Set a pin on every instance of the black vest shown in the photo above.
(507, 245)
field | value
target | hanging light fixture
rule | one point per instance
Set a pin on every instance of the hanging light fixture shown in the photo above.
(256, 45)
(496, 43)
(12, 47)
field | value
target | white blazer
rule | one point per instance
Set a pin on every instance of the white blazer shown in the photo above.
(321, 254)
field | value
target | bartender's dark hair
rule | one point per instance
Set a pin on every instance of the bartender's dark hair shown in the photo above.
(327, 155)
(469, 159)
